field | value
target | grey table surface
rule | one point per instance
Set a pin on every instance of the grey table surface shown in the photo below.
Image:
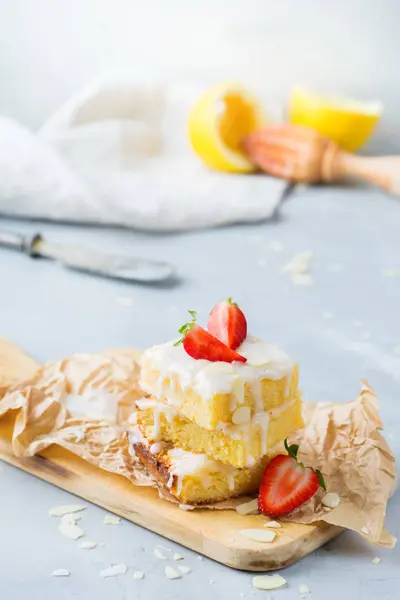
(354, 235)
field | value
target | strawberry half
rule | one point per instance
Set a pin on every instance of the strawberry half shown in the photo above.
(200, 344)
(228, 323)
(287, 484)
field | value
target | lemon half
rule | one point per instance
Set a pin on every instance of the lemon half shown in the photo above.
(218, 122)
(347, 122)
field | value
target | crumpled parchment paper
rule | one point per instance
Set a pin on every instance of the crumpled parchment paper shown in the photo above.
(342, 439)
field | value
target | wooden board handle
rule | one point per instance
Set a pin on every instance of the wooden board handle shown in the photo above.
(382, 171)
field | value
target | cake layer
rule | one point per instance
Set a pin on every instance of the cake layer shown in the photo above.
(236, 445)
(194, 478)
(211, 393)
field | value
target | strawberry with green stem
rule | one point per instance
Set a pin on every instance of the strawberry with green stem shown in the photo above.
(287, 483)
(228, 323)
(200, 344)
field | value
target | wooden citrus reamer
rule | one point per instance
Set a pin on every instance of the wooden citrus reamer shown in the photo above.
(301, 155)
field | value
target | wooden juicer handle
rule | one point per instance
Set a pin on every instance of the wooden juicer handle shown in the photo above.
(301, 155)
(382, 171)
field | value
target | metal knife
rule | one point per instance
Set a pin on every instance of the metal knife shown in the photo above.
(91, 261)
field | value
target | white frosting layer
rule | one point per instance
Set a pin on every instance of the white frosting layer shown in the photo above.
(96, 405)
(264, 361)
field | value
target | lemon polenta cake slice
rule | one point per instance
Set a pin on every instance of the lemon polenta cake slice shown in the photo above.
(222, 401)
(213, 392)
(238, 445)
(194, 478)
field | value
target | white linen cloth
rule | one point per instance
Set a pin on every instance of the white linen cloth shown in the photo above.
(117, 153)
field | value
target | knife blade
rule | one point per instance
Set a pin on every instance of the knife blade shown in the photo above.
(92, 261)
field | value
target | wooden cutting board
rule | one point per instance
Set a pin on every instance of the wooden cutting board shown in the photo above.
(214, 533)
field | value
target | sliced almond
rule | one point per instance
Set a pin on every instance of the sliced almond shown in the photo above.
(138, 575)
(259, 535)
(376, 560)
(184, 569)
(88, 545)
(273, 524)
(158, 553)
(268, 582)
(304, 589)
(170, 573)
(178, 556)
(71, 530)
(331, 500)
(248, 508)
(112, 520)
(59, 511)
(71, 518)
(364, 530)
(61, 573)
(113, 571)
(241, 415)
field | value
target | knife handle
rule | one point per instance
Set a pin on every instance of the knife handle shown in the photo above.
(22, 243)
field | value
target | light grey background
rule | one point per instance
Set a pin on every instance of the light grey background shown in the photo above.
(52, 48)
(52, 313)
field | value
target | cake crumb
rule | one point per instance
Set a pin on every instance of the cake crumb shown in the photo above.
(376, 560)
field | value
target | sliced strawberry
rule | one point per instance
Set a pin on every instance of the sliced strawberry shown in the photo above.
(287, 484)
(200, 344)
(228, 323)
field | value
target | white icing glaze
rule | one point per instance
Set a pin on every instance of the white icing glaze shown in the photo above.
(157, 447)
(264, 361)
(244, 431)
(183, 464)
(97, 405)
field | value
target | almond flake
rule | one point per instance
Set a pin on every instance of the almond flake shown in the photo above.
(331, 500)
(268, 582)
(112, 520)
(241, 415)
(113, 571)
(248, 508)
(138, 575)
(61, 573)
(71, 518)
(274, 524)
(200, 558)
(259, 535)
(178, 556)
(376, 560)
(304, 589)
(163, 548)
(170, 573)
(88, 545)
(184, 569)
(59, 511)
(365, 530)
(71, 530)
(158, 553)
